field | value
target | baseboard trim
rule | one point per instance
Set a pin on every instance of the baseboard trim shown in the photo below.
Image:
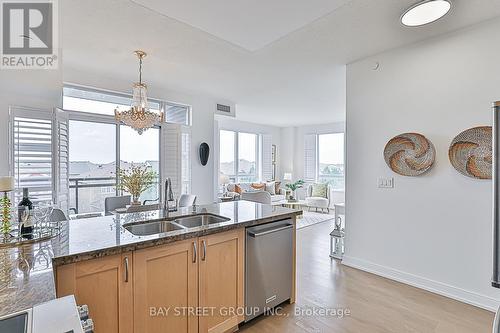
(481, 301)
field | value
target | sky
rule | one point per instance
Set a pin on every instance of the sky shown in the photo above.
(96, 143)
(331, 148)
(247, 146)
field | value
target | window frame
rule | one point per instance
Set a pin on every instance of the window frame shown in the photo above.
(162, 103)
(236, 176)
(106, 119)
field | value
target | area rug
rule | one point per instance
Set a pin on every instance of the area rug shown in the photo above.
(311, 218)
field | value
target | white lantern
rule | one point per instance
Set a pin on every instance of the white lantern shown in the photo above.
(337, 240)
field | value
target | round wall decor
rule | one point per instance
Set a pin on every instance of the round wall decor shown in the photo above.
(409, 154)
(471, 152)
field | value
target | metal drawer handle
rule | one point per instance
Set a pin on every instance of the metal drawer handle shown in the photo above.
(194, 252)
(257, 234)
(204, 250)
(125, 261)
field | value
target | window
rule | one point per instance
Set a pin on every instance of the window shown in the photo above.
(104, 103)
(227, 140)
(92, 165)
(247, 157)
(31, 151)
(186, 162)
(94, 157)
(93, 128)
(331, 160)
(70, 157)
(238, 154)
(39, 154)
(141, 150)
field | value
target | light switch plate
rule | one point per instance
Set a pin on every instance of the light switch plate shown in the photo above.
(386, 182)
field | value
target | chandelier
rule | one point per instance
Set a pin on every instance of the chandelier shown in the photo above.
(139, 117)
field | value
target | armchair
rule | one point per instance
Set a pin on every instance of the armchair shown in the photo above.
(317, 201)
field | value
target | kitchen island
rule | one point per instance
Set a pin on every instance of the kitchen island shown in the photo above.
(98, 257)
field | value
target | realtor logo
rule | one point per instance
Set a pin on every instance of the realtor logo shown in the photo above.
(28, 34)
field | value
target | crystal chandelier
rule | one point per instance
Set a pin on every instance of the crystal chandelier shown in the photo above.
(139, 117)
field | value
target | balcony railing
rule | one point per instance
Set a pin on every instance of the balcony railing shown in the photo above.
(77, 184)
(87, 194)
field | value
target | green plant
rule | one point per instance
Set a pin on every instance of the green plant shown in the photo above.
(5, 207)
(136, 180)
(294, 186)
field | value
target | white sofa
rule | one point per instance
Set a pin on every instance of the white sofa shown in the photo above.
(247, 187)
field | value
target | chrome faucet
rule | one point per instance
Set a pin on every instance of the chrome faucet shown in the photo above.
(168, 196)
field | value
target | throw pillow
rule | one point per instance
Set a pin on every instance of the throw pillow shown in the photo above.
(238, 189)
(258, 186)
(319, 190)
(271, 188)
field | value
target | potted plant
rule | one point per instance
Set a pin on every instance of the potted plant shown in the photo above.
(294, 186)
(136, 180)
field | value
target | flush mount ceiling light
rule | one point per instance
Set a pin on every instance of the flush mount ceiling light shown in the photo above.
(139, 117)
(425, 12)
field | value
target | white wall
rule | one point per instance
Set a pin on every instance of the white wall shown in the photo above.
(202, 122)
(433, 231)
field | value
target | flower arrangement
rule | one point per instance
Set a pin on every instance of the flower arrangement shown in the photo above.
(136, 180)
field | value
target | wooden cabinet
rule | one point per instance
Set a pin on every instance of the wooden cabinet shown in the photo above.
(166, 283)
(163, 288)
(221, 278)
(105, 285)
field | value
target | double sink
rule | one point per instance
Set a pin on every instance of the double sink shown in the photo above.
(179, 223)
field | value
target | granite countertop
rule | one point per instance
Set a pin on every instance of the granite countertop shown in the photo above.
(26, 272)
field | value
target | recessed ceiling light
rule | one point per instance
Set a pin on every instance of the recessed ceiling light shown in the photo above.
(425, 12)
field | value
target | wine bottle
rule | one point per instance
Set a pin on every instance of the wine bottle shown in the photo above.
(25, 212)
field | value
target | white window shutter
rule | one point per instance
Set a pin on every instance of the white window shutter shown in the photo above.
(186, 160)
(310, 157)
(171, 143)
(61, 159)
(31, 144)
(267, 158)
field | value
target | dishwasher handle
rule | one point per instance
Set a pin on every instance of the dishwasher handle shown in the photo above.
(280, 228)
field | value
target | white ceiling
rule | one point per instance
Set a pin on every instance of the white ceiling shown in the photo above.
(297, 79)
(248, 24)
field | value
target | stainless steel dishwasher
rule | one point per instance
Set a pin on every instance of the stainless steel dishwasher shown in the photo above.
(268, 266)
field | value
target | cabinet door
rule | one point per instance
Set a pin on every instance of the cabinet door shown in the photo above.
(105, 285)
(221, 280)
(166, 288)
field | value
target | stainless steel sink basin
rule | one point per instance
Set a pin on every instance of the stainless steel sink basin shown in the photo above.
(199, 220)
(151, 228)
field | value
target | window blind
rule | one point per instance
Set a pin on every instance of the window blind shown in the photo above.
(267, 158)
(177, 114)
(171, 144)
(186, 160)
(31, 153)
(310, 157)
(61, 149)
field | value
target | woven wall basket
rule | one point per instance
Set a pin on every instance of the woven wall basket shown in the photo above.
(471, 152)
(409, 154)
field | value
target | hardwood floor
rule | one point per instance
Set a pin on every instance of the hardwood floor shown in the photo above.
(376, 304)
